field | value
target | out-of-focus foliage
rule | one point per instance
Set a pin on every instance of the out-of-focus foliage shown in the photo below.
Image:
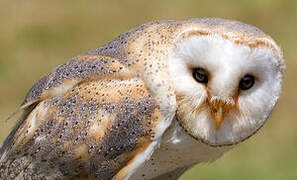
(36, 36)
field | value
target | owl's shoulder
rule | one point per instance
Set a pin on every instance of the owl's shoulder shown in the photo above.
(76, 70)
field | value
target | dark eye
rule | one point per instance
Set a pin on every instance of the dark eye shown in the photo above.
(200, 75)
(246, 82)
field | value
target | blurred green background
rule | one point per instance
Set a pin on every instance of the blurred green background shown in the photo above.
(36, 36)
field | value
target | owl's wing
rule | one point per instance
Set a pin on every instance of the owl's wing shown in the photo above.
(99, 128)
(73, 72)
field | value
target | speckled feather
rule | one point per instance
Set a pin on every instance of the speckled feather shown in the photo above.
(92, 115)
(90, 129)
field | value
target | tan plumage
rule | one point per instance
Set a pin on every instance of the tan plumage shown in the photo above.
(102, 114)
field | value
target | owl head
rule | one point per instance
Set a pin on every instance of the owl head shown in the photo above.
(227, 77)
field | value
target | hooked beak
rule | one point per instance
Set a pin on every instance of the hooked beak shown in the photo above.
(219, 109)
(218, 117)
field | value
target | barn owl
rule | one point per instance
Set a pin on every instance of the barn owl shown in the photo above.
(150, 104)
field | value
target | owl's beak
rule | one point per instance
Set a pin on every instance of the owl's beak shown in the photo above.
(218, 110)
(218, 117)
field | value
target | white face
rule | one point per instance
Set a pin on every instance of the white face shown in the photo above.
(243, 111)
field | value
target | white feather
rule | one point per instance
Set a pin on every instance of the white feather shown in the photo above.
(226, 63)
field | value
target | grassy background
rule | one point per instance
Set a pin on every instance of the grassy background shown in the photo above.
(35, 36)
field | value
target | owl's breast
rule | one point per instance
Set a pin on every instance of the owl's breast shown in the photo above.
(178, 151)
